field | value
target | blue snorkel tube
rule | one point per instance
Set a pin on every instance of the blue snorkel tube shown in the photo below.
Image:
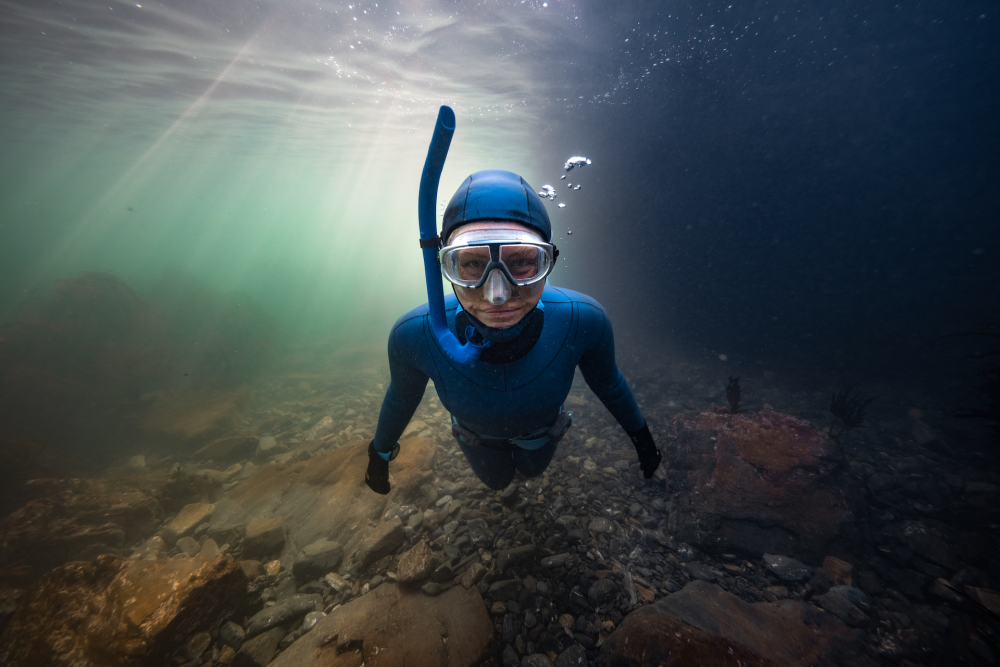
(429, 240)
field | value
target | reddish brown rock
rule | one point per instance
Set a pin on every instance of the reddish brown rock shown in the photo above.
(394, 625)
(648, 640)
(785, 633)
(116, 612)
(763, 482)
(326, 496)
(840, 571)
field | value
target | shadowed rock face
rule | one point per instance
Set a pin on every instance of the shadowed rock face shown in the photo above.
(116, 612)
(702, 623)
(648, 640)
(758, 483)
(326, 496)
(79, 519)
(393, 625)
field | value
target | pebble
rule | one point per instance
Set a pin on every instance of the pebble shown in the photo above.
(232, 634)
(432, 588)
(787, 569)
(311, 619)
(602, 592)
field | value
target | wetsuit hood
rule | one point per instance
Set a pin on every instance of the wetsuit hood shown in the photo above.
(495, 194)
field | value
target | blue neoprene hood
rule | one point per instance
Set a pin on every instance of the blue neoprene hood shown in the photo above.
(495, 194)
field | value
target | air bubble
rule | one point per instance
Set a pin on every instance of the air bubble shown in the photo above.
(578, 187)
(576, 161)
(547, 192)
(562, 205)
(569, 232)
(563, 177)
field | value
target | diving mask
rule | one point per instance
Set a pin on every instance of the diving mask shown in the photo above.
(498, 259)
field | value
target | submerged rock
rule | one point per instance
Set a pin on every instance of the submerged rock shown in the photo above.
(702, 623)
(394, 625)
(326, 496)
(116, 612)
(764, 482)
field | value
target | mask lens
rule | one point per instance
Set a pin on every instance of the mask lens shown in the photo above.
(523, 261)
(468, 264)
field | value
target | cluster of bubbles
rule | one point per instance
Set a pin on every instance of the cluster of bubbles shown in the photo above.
(549, 192)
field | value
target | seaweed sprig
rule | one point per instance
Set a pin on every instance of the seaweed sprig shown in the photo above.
(733, 393)
(850, 408)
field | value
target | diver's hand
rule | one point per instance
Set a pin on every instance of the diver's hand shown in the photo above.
(649, 455)
(377, 475)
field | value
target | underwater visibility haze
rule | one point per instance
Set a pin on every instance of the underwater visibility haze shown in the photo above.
(790, 212)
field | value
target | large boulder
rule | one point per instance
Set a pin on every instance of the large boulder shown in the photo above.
(787, 633)
(116, 612)
(326, 497)
(758, 483)
(394, 625)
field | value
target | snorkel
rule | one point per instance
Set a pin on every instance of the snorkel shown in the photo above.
(429, 240)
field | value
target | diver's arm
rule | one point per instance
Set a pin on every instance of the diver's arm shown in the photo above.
(606, 380)
(602, 373)
(404, 394)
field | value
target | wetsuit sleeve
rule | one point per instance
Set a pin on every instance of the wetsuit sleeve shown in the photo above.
(406, 389)
(603, 375)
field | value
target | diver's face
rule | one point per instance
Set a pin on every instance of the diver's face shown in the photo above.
(522, 299)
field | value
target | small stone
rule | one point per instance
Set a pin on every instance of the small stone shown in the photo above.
(416, 564)
(188, 546)
(473, 575)
(432, 588)
(138, 461)
(226, 655)
(602, 592)
(536, 660)
(442, 501)
(252, 568)
(272, 568)
(186, 521)
(283, 612)
(600, 524)
(567, 622)
(499, 608)
(266, 444)
(337, 582)
(840, 571)
(555, 561)
(258, 651)
(232, 634)
(311, 619)
(509, 657)
(209, 549)
(787, 569)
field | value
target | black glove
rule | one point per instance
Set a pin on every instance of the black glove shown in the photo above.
(377, 475)
(649, 455)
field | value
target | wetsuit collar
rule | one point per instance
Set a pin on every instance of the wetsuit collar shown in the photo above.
(500, 335)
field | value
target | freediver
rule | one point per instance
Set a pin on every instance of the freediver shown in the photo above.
(503, 349)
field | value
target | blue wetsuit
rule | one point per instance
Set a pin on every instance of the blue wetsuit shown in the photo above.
(507, 400)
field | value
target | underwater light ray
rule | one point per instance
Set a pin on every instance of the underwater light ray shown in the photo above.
(88, 223)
